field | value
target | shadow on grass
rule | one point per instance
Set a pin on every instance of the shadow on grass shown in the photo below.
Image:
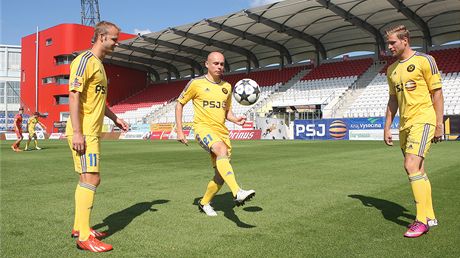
(391, 211)
(119, 220)
(224, 203)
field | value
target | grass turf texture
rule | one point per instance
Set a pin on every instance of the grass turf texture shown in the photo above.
(331, 198)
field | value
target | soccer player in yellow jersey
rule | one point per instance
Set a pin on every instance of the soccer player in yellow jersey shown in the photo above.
(415, 89)
(87, 96)
(33, 121)
(212, 99)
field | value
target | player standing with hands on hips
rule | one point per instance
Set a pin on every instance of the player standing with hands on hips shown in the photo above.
(87, 96)
(33, 121)
(415, 89)
(212, 99)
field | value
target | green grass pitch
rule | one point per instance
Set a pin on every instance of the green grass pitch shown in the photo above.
(314, 199)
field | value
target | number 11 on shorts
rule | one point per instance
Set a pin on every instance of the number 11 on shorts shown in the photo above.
(92, 159)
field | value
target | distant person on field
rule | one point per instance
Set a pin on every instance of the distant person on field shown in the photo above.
(18, 130)
(33, 121)
(87, 96)
(415, 89)
(212, 98)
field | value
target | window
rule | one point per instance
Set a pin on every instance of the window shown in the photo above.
(14, 61)
(2, 92)
(12, 92)
(64, 116)
(48, 80)
(64, 59)
(62, 99)
(62, 79)
(49, 42)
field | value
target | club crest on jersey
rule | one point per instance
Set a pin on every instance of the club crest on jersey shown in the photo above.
(75, 83)
(225, 91)
(411, 68)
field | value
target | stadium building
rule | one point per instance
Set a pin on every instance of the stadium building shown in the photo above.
(295, 50)
(10, 70)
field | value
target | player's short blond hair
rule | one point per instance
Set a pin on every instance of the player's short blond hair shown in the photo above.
(101, 28)
(400, 30)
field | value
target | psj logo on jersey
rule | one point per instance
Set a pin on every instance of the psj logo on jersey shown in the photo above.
(100, 89)
(214, 104)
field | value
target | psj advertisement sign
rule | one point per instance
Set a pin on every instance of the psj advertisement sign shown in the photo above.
(343, 129)
(324, 129)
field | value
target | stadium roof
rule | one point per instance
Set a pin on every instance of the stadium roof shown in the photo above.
(287, 32)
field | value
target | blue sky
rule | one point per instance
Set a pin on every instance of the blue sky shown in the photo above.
(19, 18)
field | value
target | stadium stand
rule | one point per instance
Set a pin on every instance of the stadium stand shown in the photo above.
(6, 123)
(339, 69)
(318, 91)
(137, 106)
(155, 97)
(322, 85)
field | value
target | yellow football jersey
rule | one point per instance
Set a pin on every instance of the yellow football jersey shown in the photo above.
(32, 123)
(87, 76)
(412, 81)
(210, 101)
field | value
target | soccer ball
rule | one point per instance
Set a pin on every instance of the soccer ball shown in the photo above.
(246, 92)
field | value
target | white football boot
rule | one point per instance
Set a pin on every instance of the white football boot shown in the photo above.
(207, 209)
(243, 195)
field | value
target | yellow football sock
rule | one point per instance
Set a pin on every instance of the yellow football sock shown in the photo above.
(75, 221)
(36, 143)
(419, 190)
(84, 198)
(211, 191)
(429, 200)
(27, 144)
(226, 172)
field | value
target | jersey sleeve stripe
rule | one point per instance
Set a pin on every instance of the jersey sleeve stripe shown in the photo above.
(83, 62)
(185, 88)
(433, 67)
(188, 85)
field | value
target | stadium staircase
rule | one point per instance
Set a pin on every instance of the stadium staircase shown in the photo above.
(263, 106)
(344, 102)
(302, 73)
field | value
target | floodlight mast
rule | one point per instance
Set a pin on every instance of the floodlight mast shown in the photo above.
(90, 12)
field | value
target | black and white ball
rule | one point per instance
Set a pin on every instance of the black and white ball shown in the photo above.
(246, 92)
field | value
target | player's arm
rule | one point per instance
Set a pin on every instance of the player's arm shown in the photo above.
(120, 123)
(180, 133)
(392, 108)
(434, 82)
(239, 120)
(438, 104)
(78, 142)
(187, 94)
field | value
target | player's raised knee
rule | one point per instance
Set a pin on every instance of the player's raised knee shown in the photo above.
(220, 149)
